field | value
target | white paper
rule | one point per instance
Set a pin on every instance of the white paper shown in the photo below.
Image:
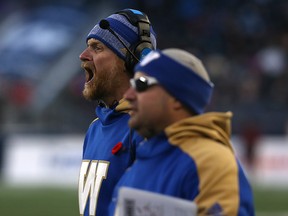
(135, 202)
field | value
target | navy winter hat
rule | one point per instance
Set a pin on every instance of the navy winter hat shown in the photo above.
(181, 74)
(124, 29)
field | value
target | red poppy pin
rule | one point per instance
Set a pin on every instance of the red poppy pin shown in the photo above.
(117, 148)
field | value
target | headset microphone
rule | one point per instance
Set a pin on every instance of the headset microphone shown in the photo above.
(104, 24)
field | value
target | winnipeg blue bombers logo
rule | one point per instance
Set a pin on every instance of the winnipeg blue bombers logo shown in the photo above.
(149, 58)
(92, 174)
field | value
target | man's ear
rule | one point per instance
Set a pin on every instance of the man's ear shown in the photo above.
(176, 104)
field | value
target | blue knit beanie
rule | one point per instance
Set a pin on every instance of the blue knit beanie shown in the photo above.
(181, 74)
(124, 29)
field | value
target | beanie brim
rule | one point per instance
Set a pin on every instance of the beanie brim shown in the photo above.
(180, 81)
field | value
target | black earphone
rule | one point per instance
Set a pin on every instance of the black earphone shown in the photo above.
(144, 44)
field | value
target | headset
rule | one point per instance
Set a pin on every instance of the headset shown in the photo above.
(143, 46)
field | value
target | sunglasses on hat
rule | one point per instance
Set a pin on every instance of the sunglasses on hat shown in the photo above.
(142, 83)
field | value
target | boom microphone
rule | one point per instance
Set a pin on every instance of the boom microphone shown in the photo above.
(104, 24)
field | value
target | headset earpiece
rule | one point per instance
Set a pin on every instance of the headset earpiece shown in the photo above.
(140, 50)
(144, 45)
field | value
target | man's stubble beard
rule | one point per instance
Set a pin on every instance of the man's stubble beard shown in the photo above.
(95, 90)
(105, 85)
(139, 125)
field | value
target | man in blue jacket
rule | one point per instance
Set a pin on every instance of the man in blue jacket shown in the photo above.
(188, 153)
(114, 46)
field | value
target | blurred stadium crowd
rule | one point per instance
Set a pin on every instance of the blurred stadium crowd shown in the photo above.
(244, 44)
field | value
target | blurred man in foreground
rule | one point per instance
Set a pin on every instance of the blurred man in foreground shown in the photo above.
(188, 153)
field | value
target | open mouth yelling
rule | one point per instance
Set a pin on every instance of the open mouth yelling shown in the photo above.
(88, 75)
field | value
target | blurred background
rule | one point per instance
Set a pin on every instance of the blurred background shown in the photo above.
(43, 116)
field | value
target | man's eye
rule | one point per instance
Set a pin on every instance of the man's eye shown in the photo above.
(96, 48)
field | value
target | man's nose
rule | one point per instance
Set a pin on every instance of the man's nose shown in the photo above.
(85, 55)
